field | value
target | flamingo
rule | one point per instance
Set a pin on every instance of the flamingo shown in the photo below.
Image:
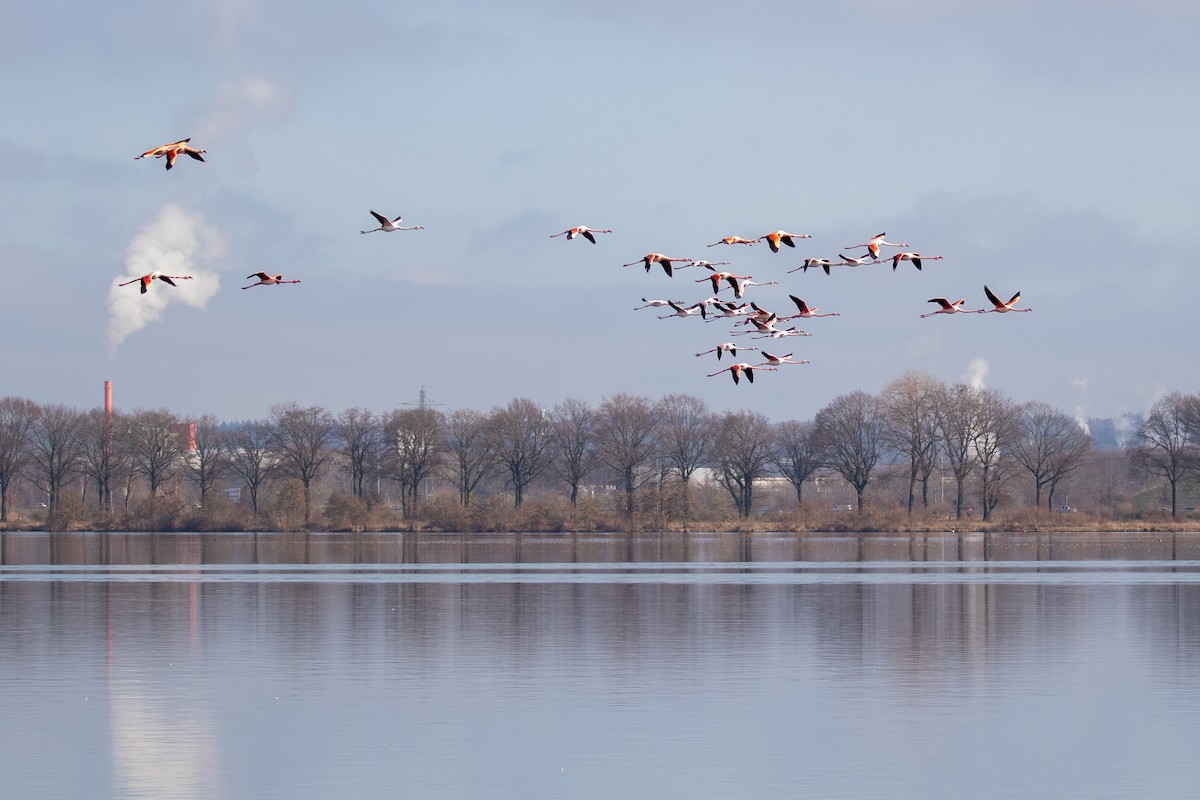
(849, 261)
(773, 239)
(680, 311)
(267, 280)
(733, 240)
(915, 258)
(727, 347)
(708, 264)
(173, 150)
(656, 258)
(950, 308)
(652, 304)
(729, 278)
(736, 371)
(581, 230)
(775, 361)
(729, 310)
(147, 279)
(782, 334)
(808, 313)
(748, 283)
(812, 262)
(874, 243)
(388, 225)
(1000, 306)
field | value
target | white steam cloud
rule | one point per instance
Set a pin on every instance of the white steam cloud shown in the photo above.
(977, 372)
(171, 244)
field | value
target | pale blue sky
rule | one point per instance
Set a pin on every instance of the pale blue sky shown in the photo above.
(1041, 147)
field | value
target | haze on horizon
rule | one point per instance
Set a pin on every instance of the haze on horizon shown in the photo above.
(1039, 147)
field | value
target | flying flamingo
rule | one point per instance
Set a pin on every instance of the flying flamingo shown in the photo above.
(1000, 306)
(812, 262)
(773, 239)
(173, 150)
(950, 308)
(729, 278)
(775, 361)
(748, 283)
(707, 264)
(783, 334)
(267, 280)
(915, 258)
(806, 312)
(581, 230)
(656, 258)
(730, 309)
(388, 225)
(849, 261)
(652, 304)
(874, 243)
(736, 371)
(147, 279)
(733, 240)
(727, 347)
(680, 311)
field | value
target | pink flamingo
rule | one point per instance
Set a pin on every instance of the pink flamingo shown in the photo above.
(736, 370)
(727, 347)
(147, 279)
(1000, 306)
(267, 280)
(775, 361)
(733, 240)
(915, 258)
(581, 230)
(773, 239)
(656, 258)
(950, 308)
(874, 243)
(173, 150)
(388, 225)
(806, 312)
(680, 311)
(812, 262)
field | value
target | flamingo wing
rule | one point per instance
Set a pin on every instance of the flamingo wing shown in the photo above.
(1015, 298)
(991, 296)
(382, 219)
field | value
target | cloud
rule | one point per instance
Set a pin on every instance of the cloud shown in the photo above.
(976, 374)
(172, 244)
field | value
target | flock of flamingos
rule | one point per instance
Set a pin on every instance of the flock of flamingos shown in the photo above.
(756, 321)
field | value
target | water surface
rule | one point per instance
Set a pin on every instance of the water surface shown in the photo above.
(599, 666)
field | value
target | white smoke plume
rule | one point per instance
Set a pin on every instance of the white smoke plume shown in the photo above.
(172, 244)
(977, 372)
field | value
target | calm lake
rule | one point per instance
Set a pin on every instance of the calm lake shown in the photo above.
(697, 665)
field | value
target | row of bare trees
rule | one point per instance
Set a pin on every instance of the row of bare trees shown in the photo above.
(918, 424)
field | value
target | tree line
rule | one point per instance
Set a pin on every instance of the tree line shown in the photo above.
(916, 431)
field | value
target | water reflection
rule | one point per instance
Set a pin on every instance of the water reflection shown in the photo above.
(117, 549)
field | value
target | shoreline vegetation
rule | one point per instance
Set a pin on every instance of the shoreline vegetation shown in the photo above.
(344, 513)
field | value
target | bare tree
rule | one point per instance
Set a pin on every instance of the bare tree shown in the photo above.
(361, 436)
(741, 453)
(252, 456)
(413, 446)
(102, 457)
(626, 438)
(155, 446)
(17, 417)
(996, 430)
(304, 439)
(1050, 445)
(469, 454)
(797, 454)
(209, 460)
(957, 413)
(55, 439)
(685, 435)
(850, 429)
(1161, 447)
(573, 442)
(521, 441)
(910, 419)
